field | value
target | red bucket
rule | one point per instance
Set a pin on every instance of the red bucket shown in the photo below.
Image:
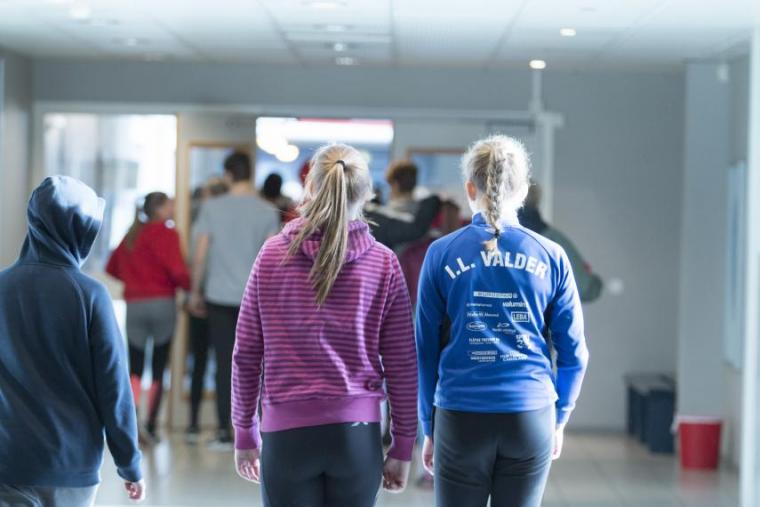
(699, 442)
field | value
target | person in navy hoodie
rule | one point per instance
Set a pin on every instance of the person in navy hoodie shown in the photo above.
(494, 299)
(64, 384)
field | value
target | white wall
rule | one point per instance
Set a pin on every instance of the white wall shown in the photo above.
(15, 138)
(707, 157)
(617, 180)
(618, 169)
(739, 89)
(750, 458)
(716, 138)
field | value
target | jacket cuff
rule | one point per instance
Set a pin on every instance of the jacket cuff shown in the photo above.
(131, 473)
(427, 427)
(402, 448)
(247, 438)
(563, 415)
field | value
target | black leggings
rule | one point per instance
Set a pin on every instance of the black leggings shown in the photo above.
(335, 465)
(158, 365)
(199, 345)
(502, 456)
(222, 322)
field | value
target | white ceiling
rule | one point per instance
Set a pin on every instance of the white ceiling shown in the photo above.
(474, 33)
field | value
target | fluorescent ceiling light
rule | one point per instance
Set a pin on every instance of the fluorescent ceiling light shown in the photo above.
(567, 32)
(276, 133)
(334, 28)
(80, 12)
(320, 37)
(340, 46)
(346, 60)
(537, 64)
(324, 4)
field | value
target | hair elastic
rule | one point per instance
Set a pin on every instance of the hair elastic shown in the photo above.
(341, 163)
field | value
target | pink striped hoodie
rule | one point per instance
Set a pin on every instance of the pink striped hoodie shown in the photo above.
(324, 365)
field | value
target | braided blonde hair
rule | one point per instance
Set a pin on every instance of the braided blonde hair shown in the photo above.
(338, 184)
(499, 168)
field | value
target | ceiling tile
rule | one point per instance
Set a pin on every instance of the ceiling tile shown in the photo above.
(384, 32)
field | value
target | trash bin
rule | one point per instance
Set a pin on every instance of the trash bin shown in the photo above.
(699, 441)
(651, 406)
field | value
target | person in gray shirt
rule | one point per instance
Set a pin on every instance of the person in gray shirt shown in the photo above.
(229, 232)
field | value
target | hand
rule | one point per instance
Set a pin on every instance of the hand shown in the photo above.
(427, 455)
(559, 440)
(136, 490)
(196, 305)
(395, 474)
(248, 464)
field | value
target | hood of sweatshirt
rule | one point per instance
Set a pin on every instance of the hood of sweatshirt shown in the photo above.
(360, 240)
(64, 217)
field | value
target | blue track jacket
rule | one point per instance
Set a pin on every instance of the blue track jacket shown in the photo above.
(483, 319)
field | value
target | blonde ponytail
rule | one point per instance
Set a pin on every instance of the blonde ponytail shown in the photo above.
(338, 182)
(500, 169)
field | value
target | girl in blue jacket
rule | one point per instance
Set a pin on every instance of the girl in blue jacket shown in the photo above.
(494, 299)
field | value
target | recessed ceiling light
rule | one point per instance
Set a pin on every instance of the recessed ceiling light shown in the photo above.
(80, 12)
(537, 64)
(346, 60)
(340, 46)
(131, 42)
(324, 4)
(568, 32)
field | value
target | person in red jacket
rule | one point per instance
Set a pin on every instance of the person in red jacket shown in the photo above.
(149, 262)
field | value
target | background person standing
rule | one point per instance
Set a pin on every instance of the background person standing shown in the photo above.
(198, 321)
(150, 263)
(230, 230)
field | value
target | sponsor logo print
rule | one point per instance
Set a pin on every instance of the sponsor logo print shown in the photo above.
(520, 317)
(476, 326)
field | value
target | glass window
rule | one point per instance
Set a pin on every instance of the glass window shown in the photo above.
(122, 157)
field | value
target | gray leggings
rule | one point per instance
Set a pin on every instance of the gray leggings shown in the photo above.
(40, 496)
(502, 456)
(151, 319)
(335, 465)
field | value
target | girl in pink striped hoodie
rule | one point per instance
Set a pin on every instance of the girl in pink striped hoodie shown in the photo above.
(324, 324)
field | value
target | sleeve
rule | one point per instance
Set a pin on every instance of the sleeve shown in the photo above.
(113, 266)
(589, 284)
(170, 253)
(566, 326)
(202, 225)
(392, 231)
(431, 315)
(247, 359)
(114, 395)
(399, 364)
(275, 223)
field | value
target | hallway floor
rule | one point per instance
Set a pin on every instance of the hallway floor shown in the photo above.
(596, 470)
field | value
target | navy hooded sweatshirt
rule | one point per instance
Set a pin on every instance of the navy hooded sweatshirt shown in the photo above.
(64, 383)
